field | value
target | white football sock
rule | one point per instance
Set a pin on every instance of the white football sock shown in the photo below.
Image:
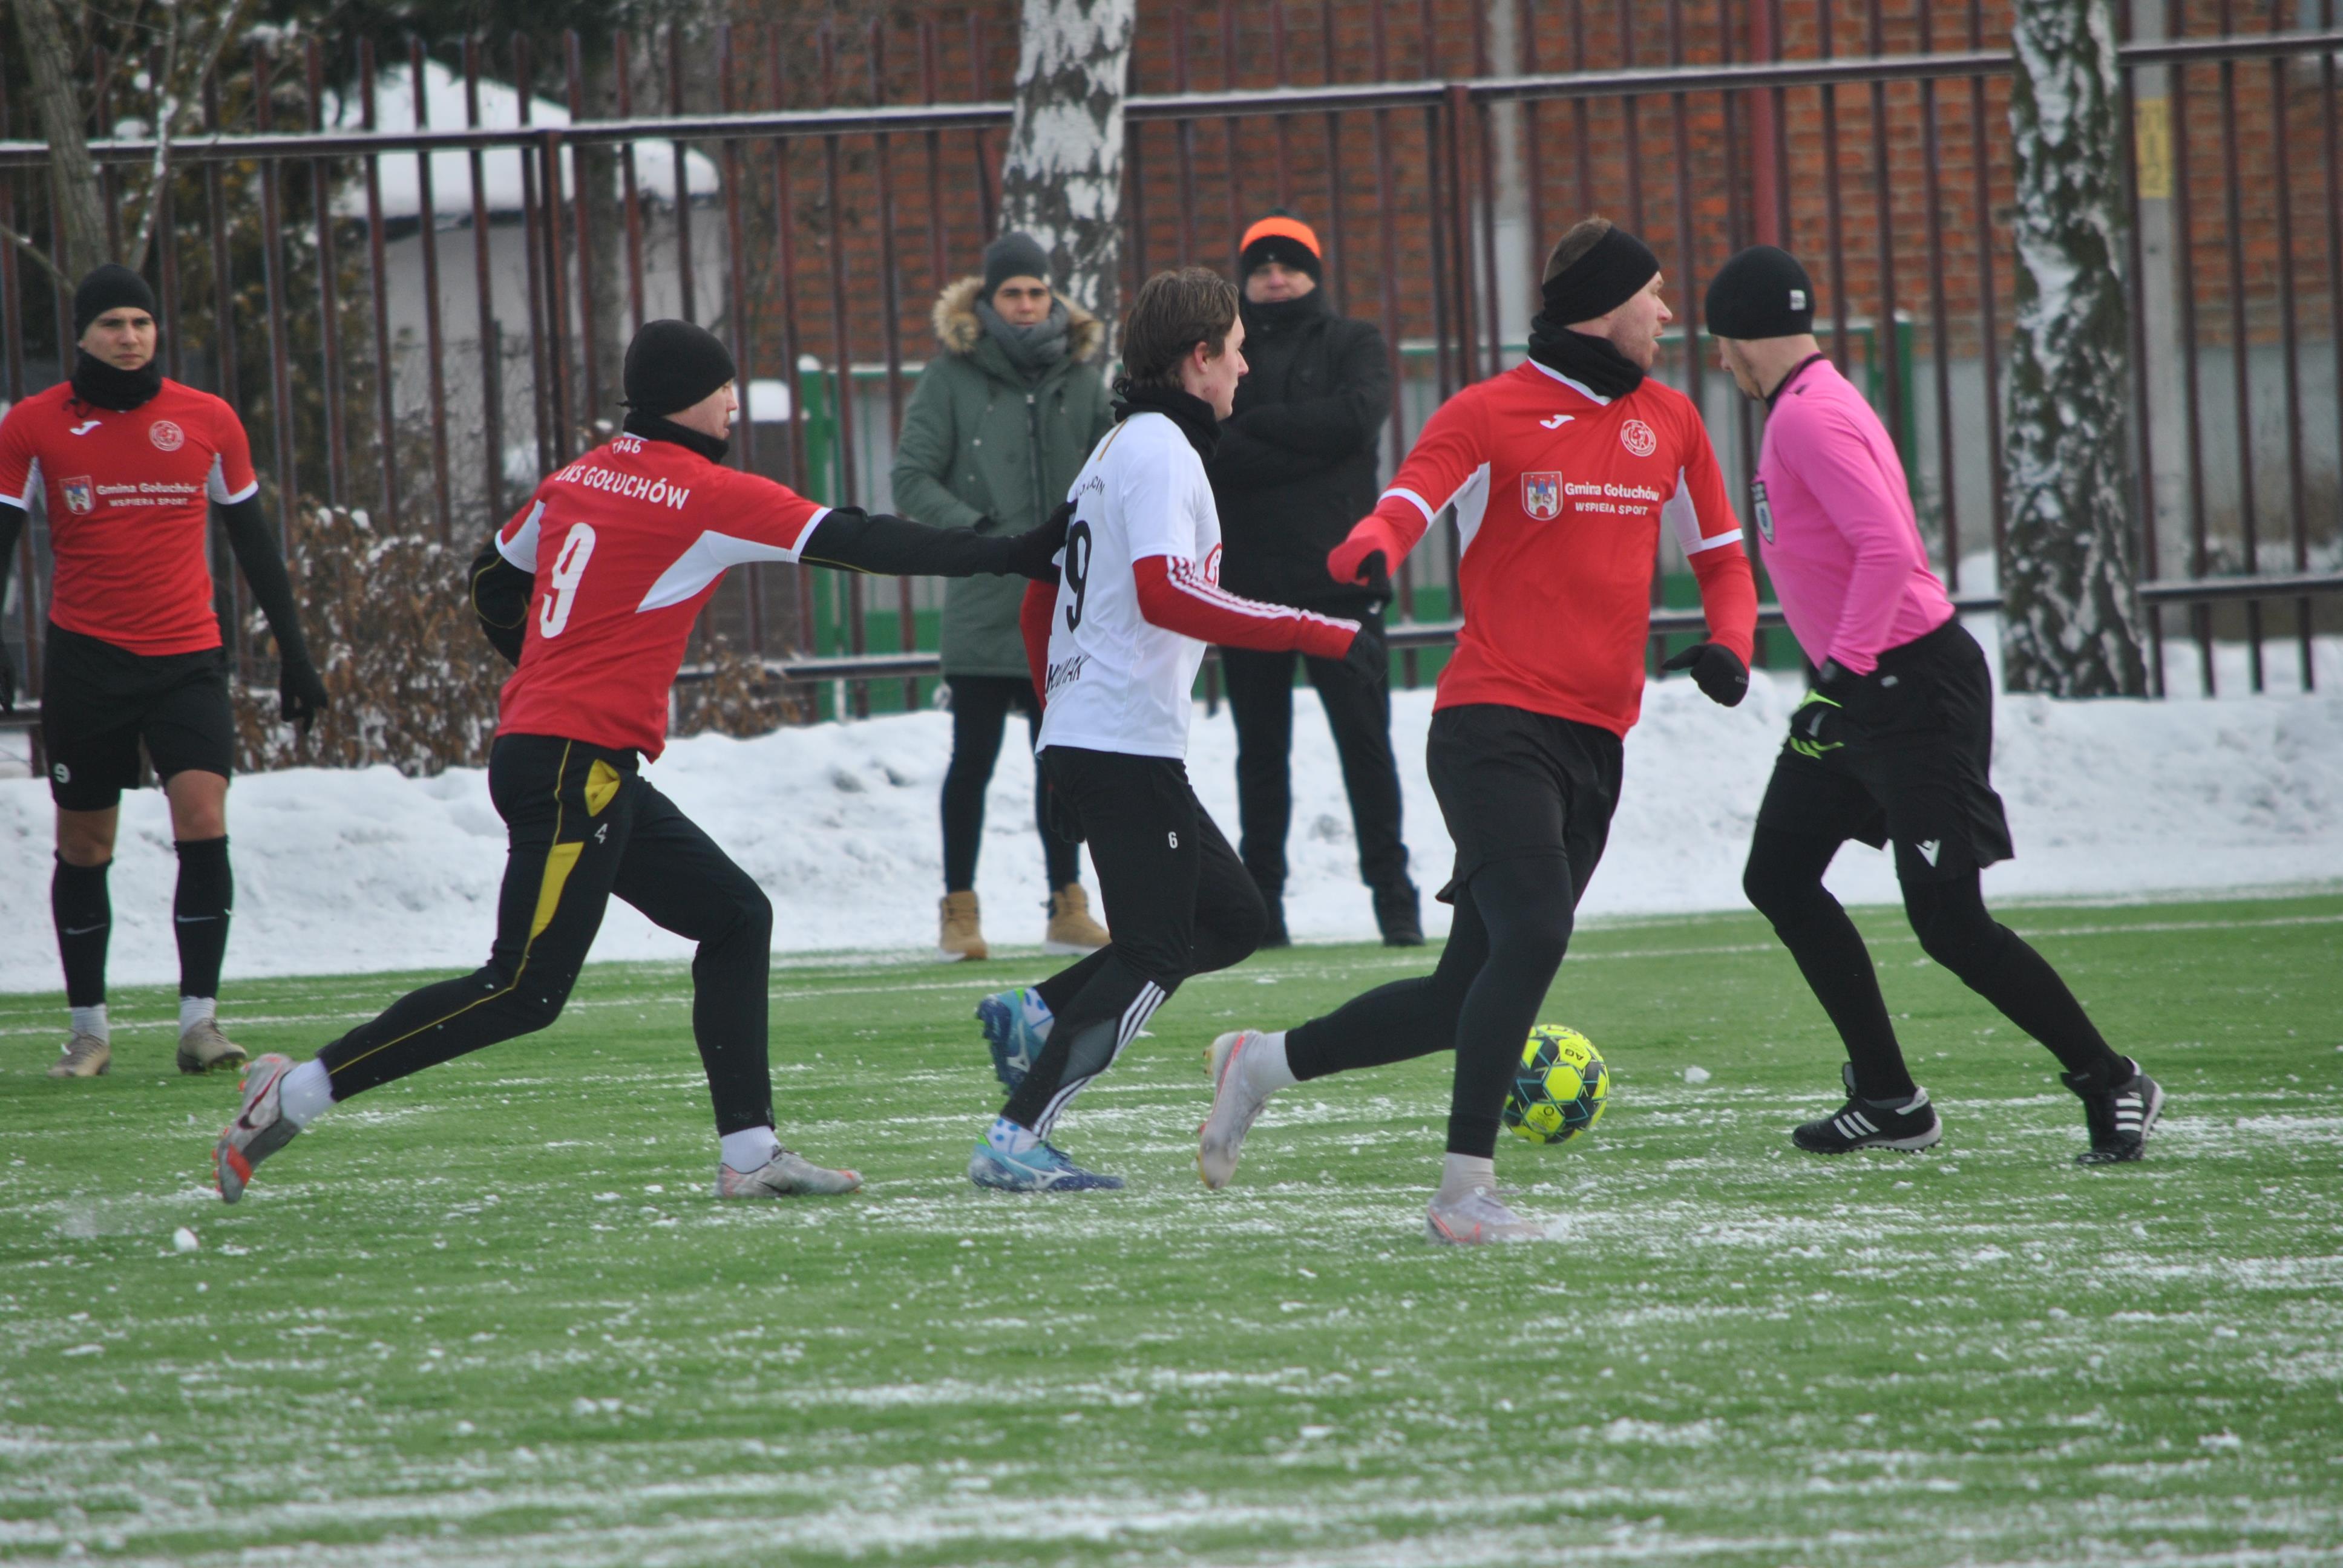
(750, 1148)
(1462, 1173)
(1007, 1137)
(307, 1092)
(196, 1010)
(92, 1020)
(1265, 1066)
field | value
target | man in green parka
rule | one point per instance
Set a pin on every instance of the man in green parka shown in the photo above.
(1001, 423)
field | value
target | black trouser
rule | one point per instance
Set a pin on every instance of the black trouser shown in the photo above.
(1785, 881)
(980, 705)
(1528, 798)
(582, 825)
(1358, 710)
(1177, 898)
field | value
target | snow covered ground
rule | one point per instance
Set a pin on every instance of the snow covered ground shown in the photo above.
(347, 871)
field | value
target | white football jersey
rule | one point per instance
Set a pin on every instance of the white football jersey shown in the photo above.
(1117, 682)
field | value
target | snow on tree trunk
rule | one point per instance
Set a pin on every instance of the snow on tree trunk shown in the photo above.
(2070, 619)
(57, 102)
(1061, 176)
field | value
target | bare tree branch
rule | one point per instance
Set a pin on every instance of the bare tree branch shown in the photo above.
(174, 97)
(73, 176)
(37, 254)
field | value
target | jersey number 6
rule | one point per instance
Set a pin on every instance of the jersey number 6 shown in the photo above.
(561, 587)
(1077, 570)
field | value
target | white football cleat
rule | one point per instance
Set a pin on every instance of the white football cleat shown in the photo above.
(1476, 1218)
(786, 1175)
(1237, 1100)
(260, 1128)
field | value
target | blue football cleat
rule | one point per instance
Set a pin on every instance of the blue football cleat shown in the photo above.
(1016, 1026)
(1040, 1168)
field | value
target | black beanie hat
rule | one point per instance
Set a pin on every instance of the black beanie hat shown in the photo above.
(671, 365)
(1602, 280)
(109, 287)
(1014, 254)
(1284, 238)
(1761, 292)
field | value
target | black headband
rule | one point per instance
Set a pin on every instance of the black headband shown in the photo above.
(1602, 280)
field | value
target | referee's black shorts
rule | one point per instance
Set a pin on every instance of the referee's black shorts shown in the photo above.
(1917, 775)
(1517, 785)
(99, 701)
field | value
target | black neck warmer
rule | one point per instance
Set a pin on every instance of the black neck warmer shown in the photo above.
(1593, 362)
(1190, 413)
(658, 428)
(1274, 315)
(101, 385)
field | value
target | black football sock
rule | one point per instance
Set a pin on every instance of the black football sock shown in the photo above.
(199, 913)
(1955, 930)
(1785, 881)
(83, 913)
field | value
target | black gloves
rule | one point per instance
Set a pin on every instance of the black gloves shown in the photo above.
(1839, 697)
(1717, 670)
(301, 695)
(500, 593)
(1032, 552)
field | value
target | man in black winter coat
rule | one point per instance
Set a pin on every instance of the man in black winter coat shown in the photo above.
(1294, 469)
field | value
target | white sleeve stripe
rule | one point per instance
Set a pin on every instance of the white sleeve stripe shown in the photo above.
(246, 494)
(1713, 541)
(521, 549)
(806, 533)
(710, 554)
(1181, 577)
(1418, 502)
(32, 485)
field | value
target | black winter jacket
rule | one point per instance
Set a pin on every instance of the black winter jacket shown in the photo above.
(1295, 467)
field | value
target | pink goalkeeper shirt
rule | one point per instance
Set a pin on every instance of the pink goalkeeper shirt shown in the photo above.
(1842, 545)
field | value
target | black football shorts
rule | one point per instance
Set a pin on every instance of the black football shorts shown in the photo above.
(1513, 785)
(1919, 776)
(99, 702)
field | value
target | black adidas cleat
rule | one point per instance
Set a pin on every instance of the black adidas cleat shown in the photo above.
(2121, 1117)
(1909, 1126)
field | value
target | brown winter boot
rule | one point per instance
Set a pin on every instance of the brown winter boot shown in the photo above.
(1072, 929)
(960, 937)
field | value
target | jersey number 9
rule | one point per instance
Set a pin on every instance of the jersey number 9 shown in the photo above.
(1077, 570)
(561, 587)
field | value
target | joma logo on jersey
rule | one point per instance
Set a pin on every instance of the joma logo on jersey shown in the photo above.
(81, 495)
(1542, 496)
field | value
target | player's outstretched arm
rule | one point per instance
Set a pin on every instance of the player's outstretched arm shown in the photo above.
(1173, 595)
(862, 541)
(301, 695)
(12, 529)
(500, 592)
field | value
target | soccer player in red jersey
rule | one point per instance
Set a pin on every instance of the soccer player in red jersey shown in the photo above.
(129, 466)
(592, 588)
(1893, 745)
(1563, 472)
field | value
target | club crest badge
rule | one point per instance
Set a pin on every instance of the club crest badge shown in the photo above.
(1757, 503)
(1542, 496)
(1638, 438)
(81, 495)
(166, 436)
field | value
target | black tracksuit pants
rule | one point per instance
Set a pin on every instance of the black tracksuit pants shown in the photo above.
(1358, 710)
(1177, 899)
(980, 705)
(582, 826)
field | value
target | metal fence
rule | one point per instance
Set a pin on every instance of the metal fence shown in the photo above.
(413, 286)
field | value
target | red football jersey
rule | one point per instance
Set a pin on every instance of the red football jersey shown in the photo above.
(627, 542)
(1560, 494)
(128, 497)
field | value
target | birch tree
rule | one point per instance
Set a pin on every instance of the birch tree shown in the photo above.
(2070, 616)
(1061, 176)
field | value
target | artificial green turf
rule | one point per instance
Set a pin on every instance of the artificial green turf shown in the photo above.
(489, 1314)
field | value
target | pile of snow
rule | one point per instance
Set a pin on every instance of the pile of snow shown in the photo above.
(349, 871)
(401, 183)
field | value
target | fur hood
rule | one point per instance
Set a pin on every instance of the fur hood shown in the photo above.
(959, 330)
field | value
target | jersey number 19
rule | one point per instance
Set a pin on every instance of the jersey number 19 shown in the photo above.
(561, 587)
